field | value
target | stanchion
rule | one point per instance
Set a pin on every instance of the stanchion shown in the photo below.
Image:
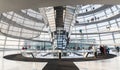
(59, 55)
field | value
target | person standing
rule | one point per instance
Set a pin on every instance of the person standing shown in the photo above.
(117, 49)
(107, 50)
(94, 51)
(102, 50)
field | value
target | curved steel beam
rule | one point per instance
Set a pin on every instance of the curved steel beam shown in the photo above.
(16, 31)
(13, 23)
(104, 20)
(17, 37)
(36, 10)
(104, 32)
(96, 10)
(29, 17)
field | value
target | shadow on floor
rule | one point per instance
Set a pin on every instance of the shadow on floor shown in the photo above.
(19, 57)
(60, 65)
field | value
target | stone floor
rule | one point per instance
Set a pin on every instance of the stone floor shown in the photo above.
(107, 64)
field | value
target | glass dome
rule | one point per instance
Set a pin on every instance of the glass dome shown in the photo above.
(87, 24)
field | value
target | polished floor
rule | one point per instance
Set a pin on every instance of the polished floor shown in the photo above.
(108, 64)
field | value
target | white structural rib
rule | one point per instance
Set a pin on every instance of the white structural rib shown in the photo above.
(29, 17)
(13, 23)
(18, 37)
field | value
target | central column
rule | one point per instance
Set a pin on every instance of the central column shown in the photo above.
(59, 16)
(60, 35)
